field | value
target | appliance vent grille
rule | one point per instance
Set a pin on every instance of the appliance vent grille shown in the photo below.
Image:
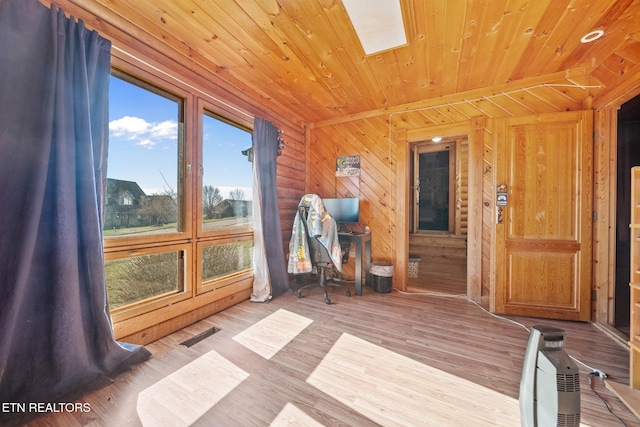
(568, 383)
(568, 420)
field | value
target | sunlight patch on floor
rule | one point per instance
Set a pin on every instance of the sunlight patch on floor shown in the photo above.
(393, 390)
(291, 416)
(181, 398)
(272, 333)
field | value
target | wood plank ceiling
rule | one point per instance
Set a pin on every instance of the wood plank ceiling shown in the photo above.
(303, 58)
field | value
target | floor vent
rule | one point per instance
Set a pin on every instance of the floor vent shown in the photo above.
(202, 335)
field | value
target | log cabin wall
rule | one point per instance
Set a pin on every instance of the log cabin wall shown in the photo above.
(291, 179)
(462, 186)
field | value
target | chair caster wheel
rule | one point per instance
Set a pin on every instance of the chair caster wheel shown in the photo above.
(327, 301)
(299, 294)
(348, 293)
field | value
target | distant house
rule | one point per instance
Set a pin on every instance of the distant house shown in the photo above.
(123, 199)
(229, 208)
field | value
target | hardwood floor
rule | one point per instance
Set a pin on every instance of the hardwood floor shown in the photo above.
(380, 359)
(440, 274)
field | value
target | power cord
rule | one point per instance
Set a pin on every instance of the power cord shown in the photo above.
(433, 294)
(593, 372)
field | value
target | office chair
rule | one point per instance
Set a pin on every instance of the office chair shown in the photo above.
(320, 258)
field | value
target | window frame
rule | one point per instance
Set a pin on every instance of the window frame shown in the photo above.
(206, 108)
(134, 75)
(150, 304)
(137, 321)
(203, 237)
(217, 284)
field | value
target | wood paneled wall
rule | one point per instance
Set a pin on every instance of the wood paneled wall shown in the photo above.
(374, 187)
(290, 178)
(381, 138)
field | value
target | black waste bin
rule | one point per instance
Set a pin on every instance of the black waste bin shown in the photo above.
(381, 276)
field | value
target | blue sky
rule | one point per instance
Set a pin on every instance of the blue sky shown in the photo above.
(143, 132)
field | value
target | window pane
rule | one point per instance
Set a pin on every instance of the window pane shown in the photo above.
(228, 258)
(142, 174)
(226, 176)
(433, 204)
(135, 279)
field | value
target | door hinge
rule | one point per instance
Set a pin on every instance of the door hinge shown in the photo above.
(596, 136)
(594, 295)
(595, 216)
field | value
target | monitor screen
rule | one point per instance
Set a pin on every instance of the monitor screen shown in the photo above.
(344, 211)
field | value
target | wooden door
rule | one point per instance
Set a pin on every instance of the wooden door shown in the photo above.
(543, 228)
(434, 175)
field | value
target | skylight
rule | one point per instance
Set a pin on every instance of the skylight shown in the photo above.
(378, 24)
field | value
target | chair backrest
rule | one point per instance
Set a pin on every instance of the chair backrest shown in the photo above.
(317, 252)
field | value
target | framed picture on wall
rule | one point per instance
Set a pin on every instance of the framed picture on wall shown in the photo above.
(348, 166)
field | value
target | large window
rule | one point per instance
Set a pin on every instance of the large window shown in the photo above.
(178, 201)
(143, 172)
(227, 174)
(225, 236)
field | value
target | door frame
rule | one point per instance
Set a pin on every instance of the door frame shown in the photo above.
(475, 130)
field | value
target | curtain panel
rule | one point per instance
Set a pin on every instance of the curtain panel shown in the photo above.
(56, 336)
(265, 148)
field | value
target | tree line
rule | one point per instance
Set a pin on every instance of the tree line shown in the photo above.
(211, 197)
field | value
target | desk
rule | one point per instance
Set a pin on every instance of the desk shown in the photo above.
(360, 240)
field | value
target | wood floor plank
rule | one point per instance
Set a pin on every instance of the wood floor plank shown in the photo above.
(478, 355)
(271, 334)
(394, 390)
(290, 416)
(183, 397)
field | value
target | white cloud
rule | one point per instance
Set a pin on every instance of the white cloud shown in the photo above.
(128, 125)
(144, 133)
(146, 143)
(166, 129)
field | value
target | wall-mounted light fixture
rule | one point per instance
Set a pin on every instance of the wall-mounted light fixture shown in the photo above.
(249, 153)
(280, 142)
(436, 139)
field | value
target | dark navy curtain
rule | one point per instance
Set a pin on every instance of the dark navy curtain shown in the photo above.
(55, 330)
(265, 146)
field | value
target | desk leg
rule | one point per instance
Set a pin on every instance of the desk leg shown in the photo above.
(367, 257)
(358, 268)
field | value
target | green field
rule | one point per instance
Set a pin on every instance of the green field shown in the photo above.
(134, 279)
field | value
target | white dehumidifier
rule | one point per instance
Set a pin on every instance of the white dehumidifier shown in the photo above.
(550, 384)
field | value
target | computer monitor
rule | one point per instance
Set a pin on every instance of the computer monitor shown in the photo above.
(344, 210)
